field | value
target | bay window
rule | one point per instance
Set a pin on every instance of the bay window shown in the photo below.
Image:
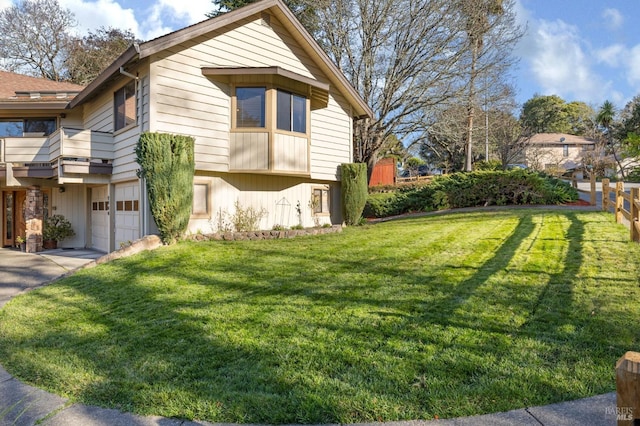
(250, 106)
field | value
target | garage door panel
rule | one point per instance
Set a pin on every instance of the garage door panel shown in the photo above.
(127, 212)
(100, 218)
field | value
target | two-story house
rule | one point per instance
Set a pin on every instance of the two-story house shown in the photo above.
(271, 115)
(558, 152)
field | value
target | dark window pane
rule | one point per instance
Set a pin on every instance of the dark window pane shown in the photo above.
(250, 106)
(11, 128)
(44, 126)
(299, 114)
(284, 110)
(124, 105)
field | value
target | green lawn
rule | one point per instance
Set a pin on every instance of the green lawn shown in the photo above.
(447, 315)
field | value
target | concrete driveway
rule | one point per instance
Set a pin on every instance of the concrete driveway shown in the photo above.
(22, 271)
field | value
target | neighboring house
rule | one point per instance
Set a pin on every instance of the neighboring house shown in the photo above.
(558, 152)
(271, 115)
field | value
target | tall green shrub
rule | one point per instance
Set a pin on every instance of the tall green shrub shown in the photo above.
(167, 164)
(354, 191)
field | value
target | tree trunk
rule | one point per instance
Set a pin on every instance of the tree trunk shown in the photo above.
(470, 107)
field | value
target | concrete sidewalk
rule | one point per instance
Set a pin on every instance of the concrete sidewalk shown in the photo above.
(24, 405)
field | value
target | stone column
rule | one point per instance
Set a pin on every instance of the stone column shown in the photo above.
(34, 215)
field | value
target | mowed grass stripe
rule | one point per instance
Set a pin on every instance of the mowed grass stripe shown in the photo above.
(445, 315)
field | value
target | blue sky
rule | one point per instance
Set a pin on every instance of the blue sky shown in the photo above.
(581, 50)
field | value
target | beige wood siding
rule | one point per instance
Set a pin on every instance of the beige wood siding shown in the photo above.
(249, 151)
(98, 115)
(72, 204)
(186, 102)
(331, 130)
(24, 150)
(278, 196)
(291, 153)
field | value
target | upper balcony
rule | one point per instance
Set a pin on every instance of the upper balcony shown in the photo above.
(65, 152)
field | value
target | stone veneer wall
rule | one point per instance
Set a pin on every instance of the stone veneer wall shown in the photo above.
(264, 235)
(33, 215)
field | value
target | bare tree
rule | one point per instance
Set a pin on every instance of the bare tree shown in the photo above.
(34, 37)
(401, 56)
(445, 144)
(491, 33)
(509, 138)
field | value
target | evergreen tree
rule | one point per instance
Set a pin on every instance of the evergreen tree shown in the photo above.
(167, 165)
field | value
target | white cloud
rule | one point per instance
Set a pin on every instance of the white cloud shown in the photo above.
(102, 13)
(164, 16)
(190, 11)
(559, 63)
(633, 67)
(614, 20)
(613, 55)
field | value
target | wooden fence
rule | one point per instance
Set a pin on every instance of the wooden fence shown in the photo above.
(626, 207)
(414, 179)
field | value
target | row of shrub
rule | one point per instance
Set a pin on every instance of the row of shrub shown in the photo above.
(481, 188)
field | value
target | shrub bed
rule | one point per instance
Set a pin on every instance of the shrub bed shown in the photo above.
(481, 188)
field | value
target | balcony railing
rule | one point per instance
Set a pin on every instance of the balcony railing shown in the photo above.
(65, 152)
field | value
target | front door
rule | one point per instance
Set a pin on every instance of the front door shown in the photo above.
(13, 222)
(13, 204)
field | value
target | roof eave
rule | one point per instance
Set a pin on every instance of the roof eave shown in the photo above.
(46, 106)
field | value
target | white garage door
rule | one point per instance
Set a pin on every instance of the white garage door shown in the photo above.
(127, 212)
(100, 218)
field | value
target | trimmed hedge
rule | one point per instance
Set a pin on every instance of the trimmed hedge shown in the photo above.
(481, 188)
(167, 164)
(354, 191)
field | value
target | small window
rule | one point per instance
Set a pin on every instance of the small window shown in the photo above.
(124, 106)
(250, 108)
(127, 205)
(320, 201)
(292, 112)
(200, 200)
(565, 150)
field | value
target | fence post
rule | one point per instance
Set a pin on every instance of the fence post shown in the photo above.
(628, 388)
(592, 179)
(635, 194)
(605, 195)
(619, 201)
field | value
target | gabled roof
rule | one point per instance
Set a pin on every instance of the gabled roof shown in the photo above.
(275, 7)
(17, 90)
(560, 139)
